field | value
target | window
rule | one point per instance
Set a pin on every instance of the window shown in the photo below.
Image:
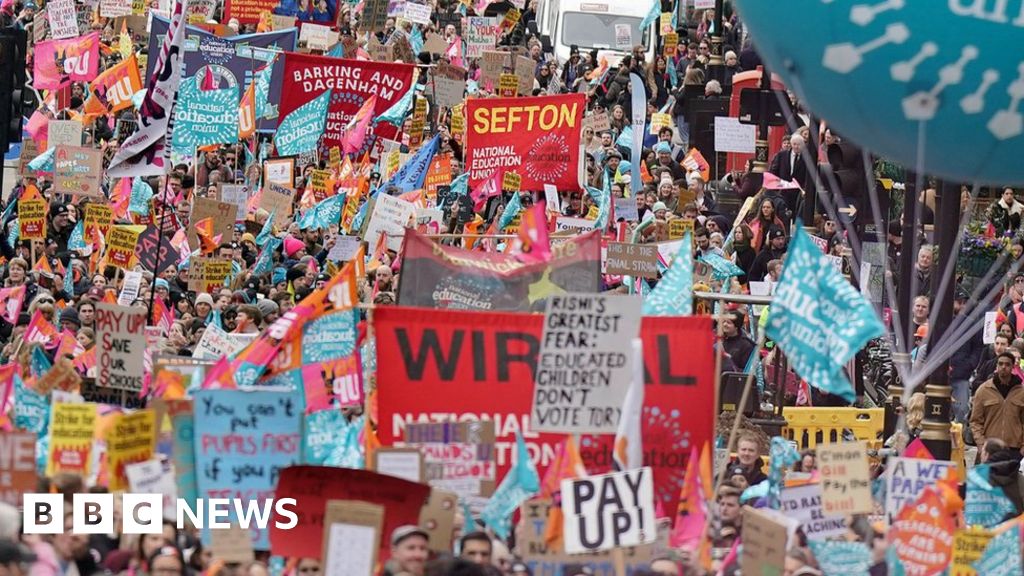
(588, 30)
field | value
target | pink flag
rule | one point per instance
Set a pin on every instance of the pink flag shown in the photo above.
(489, 189)
(773, 182)
(355, 132)
(38, 127)
(12, 300)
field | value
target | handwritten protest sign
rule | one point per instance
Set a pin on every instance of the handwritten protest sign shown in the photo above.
(845, 479)
(17, 466)
(584, 369)
(32, 218)
(243, 440)
(121, 340)
(64, 133)
(208, 274)
(404, 463)
(390, 216)
(154, 477)
(906, 478)
(732, 136)
(115, 8)
(277, 198)
(238, 195)
(121, 241)
(78, 171)
(803, 503)
(481, 33)
(764, 543)
(216, 343)
(632, 259)
(458, 457)
(132, 439)
(609, 511)
(63, 19)
(71, 430)
(313, 486)
(232, 544)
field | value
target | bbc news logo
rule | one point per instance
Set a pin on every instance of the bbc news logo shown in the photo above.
(143, 513)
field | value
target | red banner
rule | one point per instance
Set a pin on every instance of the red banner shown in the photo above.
(536, 137)
(313, 486)
(353, 81)
(443, 365)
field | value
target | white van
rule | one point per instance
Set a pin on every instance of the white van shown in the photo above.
(591, 24)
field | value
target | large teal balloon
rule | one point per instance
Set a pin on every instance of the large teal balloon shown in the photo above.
(880, 69)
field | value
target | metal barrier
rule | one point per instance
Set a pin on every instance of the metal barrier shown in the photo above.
(809, 427)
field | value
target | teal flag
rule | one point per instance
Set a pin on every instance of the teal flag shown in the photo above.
(782, 456)
(77, 239)
(300, 131)
(204, 117)
(69, 281)
(324, 214)
(265, 261)
(331, 440)
(652, 16)
(721, 268)
(818, 318)
(519, 483)
(396, 114)
(1002, 555)
(838, 558)
(43, 162)
(38, 363)
(265, 232)
(985, 505)
(673, 296)
(262, 92)
(142, 193)
(511, 210)
(460, 184)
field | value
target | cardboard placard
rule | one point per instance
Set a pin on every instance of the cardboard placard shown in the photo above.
(588, 402)
(632, 259)
(216, 343)
(525, 72)
(278, 199)
(404, 463)
(29, 151)
(492, 66)
(236, 194)
(62, 376)
(804, 504)
(208, 274)
(764, 544)
(906, 478)
(449, 85)
(279, 171)
(352, 534)
(599, 122)
(435, 43)
(458, 457)
(438, 518)
(232, 545)
(845, 478)
(732, 136)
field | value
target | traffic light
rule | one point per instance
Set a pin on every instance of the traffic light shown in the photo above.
(12, 85)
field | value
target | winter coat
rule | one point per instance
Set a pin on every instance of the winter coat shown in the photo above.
(993, 416)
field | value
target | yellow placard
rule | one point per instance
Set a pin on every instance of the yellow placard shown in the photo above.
(511, 182)
(97, 217)
(32, 219)
(968, 546)
(121, 243)
(679, 227)
(508, 85)
(71, 436)
(132, 439)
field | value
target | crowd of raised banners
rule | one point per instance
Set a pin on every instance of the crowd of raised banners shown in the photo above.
(395, 261)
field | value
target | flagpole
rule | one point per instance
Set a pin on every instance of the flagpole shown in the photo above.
(159, 243)
(744, 398)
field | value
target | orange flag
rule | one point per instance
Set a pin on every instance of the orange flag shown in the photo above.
(567, 465)
(204, 231)
(43, 265)
(247, 113)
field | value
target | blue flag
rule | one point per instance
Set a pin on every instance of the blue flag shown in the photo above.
(673, 296)
(836, 557)
(261, 98)
(13, 233)
(411, 175)
(1002, 555)
(38, 362)
(331, 440)
(337, 51)
(416, 40)
(519, 483)
(204, 117)
(69, 281)
(985, 505)
(300, 131)
(324, 214)
(818, 319)
(782, 455)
